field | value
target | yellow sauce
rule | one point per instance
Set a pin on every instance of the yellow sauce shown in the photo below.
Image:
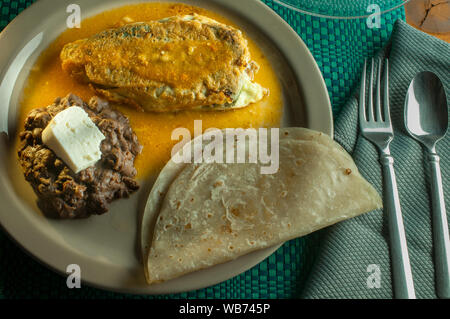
(48, 81)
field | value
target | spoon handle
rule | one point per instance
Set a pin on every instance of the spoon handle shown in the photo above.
(440, 229)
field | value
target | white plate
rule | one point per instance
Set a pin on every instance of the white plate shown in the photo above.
(106, 247)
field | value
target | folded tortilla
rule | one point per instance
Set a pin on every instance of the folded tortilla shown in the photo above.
(200, 215)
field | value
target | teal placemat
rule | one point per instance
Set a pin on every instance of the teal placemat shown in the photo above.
(339, 46)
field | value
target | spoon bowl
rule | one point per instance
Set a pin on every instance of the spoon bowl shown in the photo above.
(426, 112)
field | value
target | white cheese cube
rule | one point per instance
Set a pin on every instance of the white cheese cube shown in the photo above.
(74, 138)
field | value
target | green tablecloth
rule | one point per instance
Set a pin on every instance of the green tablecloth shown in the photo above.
(339, 47)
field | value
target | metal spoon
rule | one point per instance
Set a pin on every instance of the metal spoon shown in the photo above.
(426, 120)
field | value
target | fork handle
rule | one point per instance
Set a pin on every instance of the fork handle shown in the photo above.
(401, 268)
(440, 229)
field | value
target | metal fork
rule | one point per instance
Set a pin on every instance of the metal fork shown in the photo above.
(375, 124)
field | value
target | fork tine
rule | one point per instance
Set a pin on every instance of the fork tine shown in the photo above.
(362, 95)
(370, 109)
(387, 115)
(378, 96)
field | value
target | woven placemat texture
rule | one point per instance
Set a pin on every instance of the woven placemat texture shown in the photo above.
(339, 47)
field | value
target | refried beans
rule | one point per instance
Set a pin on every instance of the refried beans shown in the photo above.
(64, 194)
